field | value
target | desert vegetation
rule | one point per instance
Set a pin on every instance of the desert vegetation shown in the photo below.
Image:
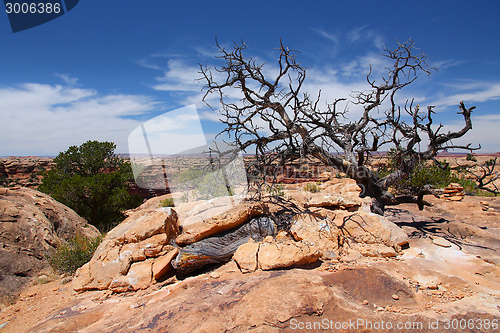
(93, 181)
(71, 255)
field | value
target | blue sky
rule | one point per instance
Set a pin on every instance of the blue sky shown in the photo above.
(100, 70)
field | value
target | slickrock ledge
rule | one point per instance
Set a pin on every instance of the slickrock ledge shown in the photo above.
(154, 243)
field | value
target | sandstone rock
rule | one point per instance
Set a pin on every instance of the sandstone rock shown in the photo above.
(145, 233)
(233, 218)
(349, 254)
(134, 250)
(333, 200)
(453, 192)
(318, 231)
(105, 265)
(246, 257)
(365, 227)
(153, 246)
(372, 234)
(342, 186)
(485, 206)
(24, 171)
(138, 277)
(162, 265)
(280, 255)
(147, 225)
(282, 236)
(269, 301)
(455, 198)
(375, 250)
(440, 241)
(32, 226)
(230, 219)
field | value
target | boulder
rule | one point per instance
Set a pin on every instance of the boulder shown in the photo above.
(163, 265)
(146, 233)
(287, 254)
(246, 257)
(268, 234)
(274, 255)
(32, 225)
(139, 276)
(316, 230)
(328, 230)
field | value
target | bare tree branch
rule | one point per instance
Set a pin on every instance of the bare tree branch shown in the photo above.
(280, 123)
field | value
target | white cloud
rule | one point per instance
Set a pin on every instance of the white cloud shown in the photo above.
(469, 92)
(484, 132)
(444, 64)
(170, 133)
(179, 77)
(43, 119)
(355, 35)
(328, 35)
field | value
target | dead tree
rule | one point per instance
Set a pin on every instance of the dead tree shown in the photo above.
(277, 122)
(484, 175)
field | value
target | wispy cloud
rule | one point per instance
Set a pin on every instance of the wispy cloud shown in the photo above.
(444, 64)
(68, 79)
(333, 37)
(355, 34)
(46, 119)
(470, 92)
(179, 76)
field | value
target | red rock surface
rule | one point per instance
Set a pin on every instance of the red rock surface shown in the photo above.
(32, 225)
(423, 283)
(23, 171)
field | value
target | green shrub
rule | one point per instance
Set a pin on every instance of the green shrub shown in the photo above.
(74, 254)
(93, 181)
(313, 188)
(184, 198)
(430, 174)
(425, 173)
(469, 186)
(277, 191)
(471, 157)
(169, 202)
(213, 185)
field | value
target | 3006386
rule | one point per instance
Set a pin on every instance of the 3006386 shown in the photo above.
(33, 8)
